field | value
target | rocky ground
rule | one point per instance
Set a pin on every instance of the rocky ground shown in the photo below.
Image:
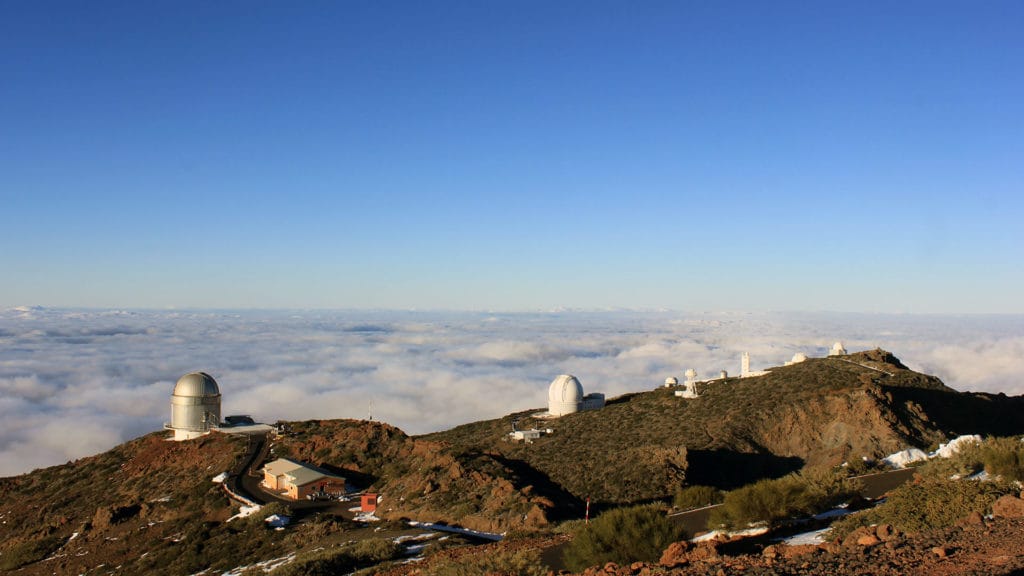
(977, 545)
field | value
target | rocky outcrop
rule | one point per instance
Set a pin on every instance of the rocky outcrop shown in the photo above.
(1008, 507)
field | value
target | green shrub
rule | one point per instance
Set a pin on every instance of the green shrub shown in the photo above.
(569, 527)
(773, 501)
(1004, 457)
(518, 563)
(29, 552)
(930, 503)
(622, 535)
(696, 497)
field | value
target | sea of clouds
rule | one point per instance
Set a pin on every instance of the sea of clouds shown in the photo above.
(78, 382)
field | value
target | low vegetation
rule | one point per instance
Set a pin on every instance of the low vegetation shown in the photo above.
(690, 497)
(774, 501)
(929, 503)
(29, 552)
(513, 562)
(622, 535)
(341, 560)
(1004, 457)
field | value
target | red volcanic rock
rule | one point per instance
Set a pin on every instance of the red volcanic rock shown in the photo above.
(675, 554)
(1008, 507)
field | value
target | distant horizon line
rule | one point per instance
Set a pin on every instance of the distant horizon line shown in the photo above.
(553, 310)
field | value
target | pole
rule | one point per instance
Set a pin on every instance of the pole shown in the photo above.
(586, 519)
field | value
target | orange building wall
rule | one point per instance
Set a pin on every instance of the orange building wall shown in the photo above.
(326, 485)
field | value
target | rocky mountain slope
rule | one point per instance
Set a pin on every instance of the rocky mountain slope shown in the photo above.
(140, 496)
(149, 505)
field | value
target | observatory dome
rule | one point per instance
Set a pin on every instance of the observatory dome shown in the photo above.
(196, 385)
(799, 357)
(195, 406)
(671, 381)
(564, 395)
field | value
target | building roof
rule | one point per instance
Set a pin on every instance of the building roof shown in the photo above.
(280, 466)
(196, 385)
(298, 473)
(303, 475)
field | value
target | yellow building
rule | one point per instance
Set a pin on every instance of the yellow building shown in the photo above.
(297, 480)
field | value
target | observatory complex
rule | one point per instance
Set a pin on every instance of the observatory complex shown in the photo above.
(565, 396)
(689, 389)
(195, 406)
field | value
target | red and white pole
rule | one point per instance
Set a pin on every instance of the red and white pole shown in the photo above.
(586, 518)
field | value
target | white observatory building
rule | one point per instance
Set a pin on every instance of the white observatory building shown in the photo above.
(565, 396)
(195, 406)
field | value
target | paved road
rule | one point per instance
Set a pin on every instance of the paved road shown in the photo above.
(875, 486)
(255, 451)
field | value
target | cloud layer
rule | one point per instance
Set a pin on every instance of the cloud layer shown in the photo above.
(74, 383)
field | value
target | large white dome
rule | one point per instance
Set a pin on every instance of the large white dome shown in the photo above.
(564, 395)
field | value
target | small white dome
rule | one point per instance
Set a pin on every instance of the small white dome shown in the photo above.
(196, 385)
(837, 350)
(799, 357)
(671, 381)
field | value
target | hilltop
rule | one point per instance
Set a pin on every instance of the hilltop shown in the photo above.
(822, 411)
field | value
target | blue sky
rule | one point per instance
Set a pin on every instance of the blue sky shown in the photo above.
(513, 155)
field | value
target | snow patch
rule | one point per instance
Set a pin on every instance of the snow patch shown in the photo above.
(833, 513)
(752, 531)
(815, 537)
(456, 530)
(982, 476)
(277, 521)
(902, 458)
(954, 446)
(947, 450)
(245, 511)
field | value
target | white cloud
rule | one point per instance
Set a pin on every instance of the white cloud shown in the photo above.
(74, 383)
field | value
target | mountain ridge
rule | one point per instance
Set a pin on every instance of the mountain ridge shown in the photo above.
(150, 495)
